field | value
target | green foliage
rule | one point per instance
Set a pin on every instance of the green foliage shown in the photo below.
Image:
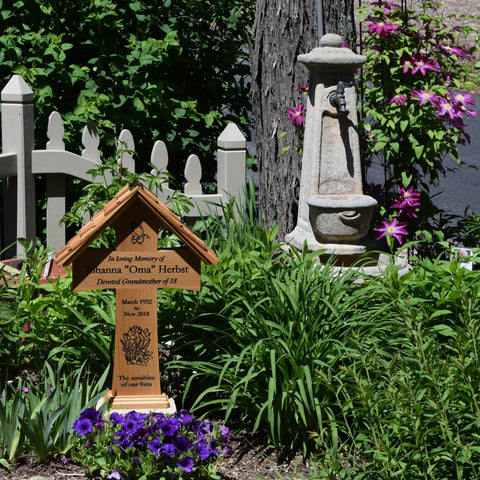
(11, 410)
(111, 178)
(372, 376)
(38, 415)
(137, 65)
(263, 336)
(408, 387)
(48, 322)
(412, 116)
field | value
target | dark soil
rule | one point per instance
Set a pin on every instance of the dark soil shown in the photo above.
(248, 462)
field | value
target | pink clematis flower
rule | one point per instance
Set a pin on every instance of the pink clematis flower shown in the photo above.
(392, 229)
(426, 96)
(387, 6)
(457, 51)
(421, 64)
(464, 99)
(383, 28)
(302, 89)
(296, 115)
(445, 108)
(398, 99)
(406, 64)
(407, 202)
(408, 196)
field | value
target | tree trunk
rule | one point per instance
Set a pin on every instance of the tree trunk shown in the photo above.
(283, 29)
(339, 18)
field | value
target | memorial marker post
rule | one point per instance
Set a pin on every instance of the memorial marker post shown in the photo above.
(136, 269)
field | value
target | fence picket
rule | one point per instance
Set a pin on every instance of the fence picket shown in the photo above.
(193, 175)
(19, 162)
(55, 132)
(126, 147)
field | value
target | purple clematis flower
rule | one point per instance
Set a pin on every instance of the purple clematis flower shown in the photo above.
(296, 115)
(392, 229)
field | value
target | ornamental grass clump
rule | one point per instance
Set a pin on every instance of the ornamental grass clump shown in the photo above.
(142, 446)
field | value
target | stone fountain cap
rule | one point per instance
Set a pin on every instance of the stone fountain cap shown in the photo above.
(331, 56)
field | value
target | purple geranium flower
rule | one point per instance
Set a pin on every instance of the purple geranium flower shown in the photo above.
(186, 463)
(184, 416)
(83, 426)
(206, 427)
(91, 414)
(155, 446)
(227, 450)
(225, 436)
(213, 447)
(130, 425)
(136, 417)
(117, 419)
(115, 474)
(168, 449)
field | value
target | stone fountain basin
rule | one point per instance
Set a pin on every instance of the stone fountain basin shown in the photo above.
(340, 218)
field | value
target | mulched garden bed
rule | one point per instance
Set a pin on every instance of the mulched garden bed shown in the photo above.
(249, 462)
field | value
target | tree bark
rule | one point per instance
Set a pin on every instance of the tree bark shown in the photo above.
(283, 29)
(339, 18)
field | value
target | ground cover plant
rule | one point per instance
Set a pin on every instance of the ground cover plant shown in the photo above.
(141, 445)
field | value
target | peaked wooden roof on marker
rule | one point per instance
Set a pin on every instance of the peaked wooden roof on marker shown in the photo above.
(113, 210)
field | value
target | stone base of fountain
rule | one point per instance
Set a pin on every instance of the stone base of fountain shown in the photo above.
(338, 224)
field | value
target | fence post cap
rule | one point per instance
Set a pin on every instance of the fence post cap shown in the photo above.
(232, 138)
(17, 91)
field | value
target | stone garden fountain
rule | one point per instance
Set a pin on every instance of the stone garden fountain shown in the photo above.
(333, 213)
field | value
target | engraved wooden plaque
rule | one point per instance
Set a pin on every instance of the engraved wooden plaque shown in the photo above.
(136, 269)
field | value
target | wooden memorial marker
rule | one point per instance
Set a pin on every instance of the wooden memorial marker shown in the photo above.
(136, 269)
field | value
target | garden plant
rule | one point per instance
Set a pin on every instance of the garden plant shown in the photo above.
(141, 445)
(365, 376)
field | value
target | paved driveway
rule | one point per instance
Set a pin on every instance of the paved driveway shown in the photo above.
(462, 188)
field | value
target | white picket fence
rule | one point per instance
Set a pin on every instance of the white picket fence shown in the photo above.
(19, 163)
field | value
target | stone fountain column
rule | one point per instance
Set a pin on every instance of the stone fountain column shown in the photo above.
(333, 213)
